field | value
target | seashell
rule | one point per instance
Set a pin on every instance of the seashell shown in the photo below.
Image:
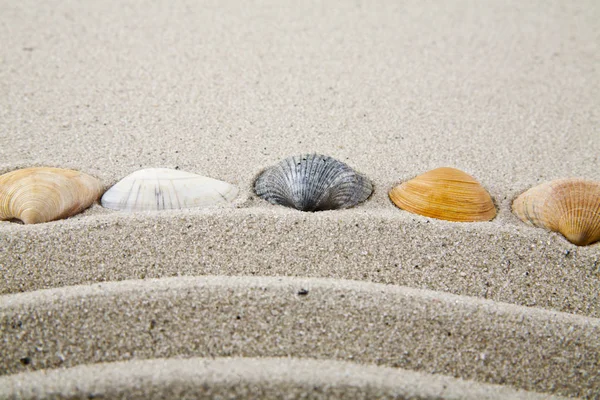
(35, 195)
(568, 206)
(445, 193)
(155, 189)
(313, 182)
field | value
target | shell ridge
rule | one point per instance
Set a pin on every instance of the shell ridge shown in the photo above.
(366, 189)
(314, 194)
(140, 187)
(313, 190)
(285, 182)
(305, 189)
(322, 187)
(294, 177)
(275, 180)
(130, 191)
(176, 195)
(317, 167)
(343, 183)
(333, 189)
(157, 191)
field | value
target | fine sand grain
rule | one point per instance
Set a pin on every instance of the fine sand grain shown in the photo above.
(506, 90)
(267, 378)
(509, 263)
(433, 332)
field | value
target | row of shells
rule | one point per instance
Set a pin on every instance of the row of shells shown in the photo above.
(309, 182)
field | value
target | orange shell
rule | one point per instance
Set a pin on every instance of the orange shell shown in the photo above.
(445, 193)
(568, 206)
(35, 195)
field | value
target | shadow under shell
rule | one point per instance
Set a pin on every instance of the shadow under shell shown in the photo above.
(313, 182)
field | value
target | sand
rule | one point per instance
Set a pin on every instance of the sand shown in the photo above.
(240, 377)
(487, 341)
(504, 90)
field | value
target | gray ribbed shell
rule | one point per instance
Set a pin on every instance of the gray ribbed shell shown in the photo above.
(313, 182)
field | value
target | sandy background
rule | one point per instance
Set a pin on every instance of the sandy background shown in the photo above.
(507, 91)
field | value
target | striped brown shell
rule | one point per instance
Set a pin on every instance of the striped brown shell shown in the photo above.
(35, 195)
(445, 193)
(569, 206)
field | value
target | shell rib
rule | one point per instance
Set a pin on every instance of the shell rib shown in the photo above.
(568, 206)
(155, 189)
(35, 195)
(445, 193)
(313, 182)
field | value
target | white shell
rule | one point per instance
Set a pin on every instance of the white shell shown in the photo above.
(155, 189)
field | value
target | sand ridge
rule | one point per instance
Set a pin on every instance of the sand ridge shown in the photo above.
(520, 265)
(61, 295)
(183, 378)
(301, 317)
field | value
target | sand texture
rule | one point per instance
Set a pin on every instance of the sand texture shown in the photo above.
(324, 319)
(240, 378)
(506, 90)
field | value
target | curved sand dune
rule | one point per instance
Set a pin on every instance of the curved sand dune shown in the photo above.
(269, 378)
(519, 265)
(528, 348)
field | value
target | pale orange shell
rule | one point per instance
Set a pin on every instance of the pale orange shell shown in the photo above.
(445, 193)
(568, 206)
(35, 195)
